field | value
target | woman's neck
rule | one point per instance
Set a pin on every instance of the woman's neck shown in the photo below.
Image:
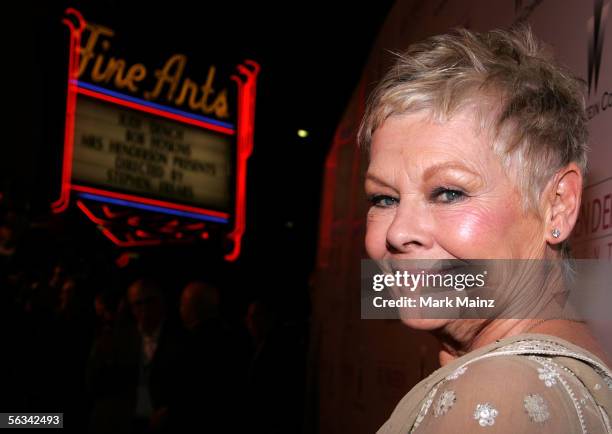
(461, 337)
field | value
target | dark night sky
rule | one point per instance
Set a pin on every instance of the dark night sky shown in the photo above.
(311, 54)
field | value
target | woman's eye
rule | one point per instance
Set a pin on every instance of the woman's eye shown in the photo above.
(382, 201)
(447, 195)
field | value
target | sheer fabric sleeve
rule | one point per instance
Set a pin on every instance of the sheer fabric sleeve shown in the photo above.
(510, 394)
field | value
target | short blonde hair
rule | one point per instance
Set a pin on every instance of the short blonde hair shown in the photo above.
(538, 106)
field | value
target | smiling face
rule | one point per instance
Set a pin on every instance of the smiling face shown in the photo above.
(438, 191)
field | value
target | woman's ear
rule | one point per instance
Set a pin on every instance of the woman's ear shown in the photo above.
(563, 204)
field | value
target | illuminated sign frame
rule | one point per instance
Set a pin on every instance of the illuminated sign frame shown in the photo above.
(245, 80)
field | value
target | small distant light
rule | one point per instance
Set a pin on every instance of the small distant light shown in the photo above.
(302, 133)
(142, 234)
(124, 259)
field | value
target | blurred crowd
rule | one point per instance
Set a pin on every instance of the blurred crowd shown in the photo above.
(141, 356)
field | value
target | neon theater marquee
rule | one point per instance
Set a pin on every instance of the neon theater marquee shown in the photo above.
(152, 155)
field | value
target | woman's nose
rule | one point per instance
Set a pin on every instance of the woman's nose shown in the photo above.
(410, 231)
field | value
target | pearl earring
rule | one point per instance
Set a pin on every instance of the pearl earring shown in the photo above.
(556, 233)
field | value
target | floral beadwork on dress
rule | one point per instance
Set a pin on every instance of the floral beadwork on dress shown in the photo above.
(424, 409)
(458, 372)
(444, 403)
(549, 348)
(485, 414)
(536, 408)
(548, 376)
(549, 368)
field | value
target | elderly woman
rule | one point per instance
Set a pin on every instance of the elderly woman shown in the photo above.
(477, 147)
